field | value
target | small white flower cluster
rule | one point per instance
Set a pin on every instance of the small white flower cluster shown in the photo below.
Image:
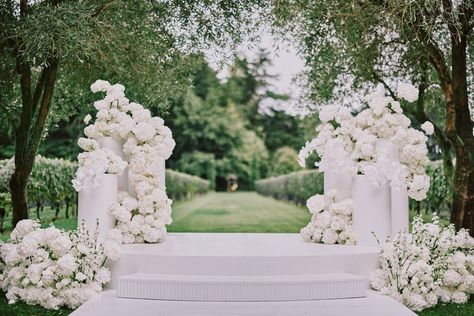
(143, 219)
(355, 144)
(331, 222)
(147, 142)
(53, 268)
(432, 264)
(94, 162)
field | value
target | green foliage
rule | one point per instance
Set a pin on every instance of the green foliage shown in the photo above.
(199, 164)
(181, 186)
(248, 161)
(439, 196)
(296, 187)
(50, 181)
(285, 160)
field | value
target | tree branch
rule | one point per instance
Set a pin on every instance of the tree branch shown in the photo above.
(40, 122)
(38, 90)
(102, 8)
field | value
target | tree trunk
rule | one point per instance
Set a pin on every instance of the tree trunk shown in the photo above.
(18, 183)
(460, 133)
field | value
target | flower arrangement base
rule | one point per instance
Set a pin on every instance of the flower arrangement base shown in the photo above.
(116, 147)
(372, 211)
(94, 203)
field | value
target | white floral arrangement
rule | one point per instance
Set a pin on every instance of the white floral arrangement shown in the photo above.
(357, 144)
(53, 268)
(142, 215)
(331, 222)
(95, 162)
(432, 264)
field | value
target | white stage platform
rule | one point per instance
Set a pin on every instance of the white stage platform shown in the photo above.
(242, 274)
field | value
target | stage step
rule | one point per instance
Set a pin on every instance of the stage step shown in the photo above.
(242, 254)
(245, 288)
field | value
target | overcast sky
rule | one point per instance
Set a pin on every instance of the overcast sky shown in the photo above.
(286, 63)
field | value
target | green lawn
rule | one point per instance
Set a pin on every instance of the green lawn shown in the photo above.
(237, 212)
(220, 212)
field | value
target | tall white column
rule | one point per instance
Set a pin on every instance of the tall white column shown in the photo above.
(338, 181)
(372, 211)
(399, 210)
(94, 204)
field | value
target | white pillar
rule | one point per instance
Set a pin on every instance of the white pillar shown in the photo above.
(94, 204)
(371, 213)
(116, 147)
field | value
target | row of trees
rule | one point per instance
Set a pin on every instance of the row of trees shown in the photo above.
(219, 130)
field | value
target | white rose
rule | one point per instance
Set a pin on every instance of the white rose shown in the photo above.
(428, 128)
(100, 85)
(407, 91)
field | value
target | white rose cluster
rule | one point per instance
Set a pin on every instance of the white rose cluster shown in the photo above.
(352, 143)
(51, 267)
(432, 264)
(142, 215)
(331, 222)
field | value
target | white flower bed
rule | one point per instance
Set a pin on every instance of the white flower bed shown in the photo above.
(146, 141)
(331, 222)
(53, 268)
(432, 264)
(351, 144)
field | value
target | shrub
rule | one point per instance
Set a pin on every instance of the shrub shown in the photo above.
(285, 160)
(181, 186)
(296, 187)
(199, 164)
(49, 183)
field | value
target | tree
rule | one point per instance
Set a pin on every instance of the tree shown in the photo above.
(37, 38)
(425, 41)
(285, 160)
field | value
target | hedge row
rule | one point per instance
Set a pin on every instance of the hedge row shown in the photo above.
(50, 184)
(299, 186)
(181, 186)
(296, 187)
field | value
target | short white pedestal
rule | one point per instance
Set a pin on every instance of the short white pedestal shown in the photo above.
(117, 148)
(94, 203)
(372, 211)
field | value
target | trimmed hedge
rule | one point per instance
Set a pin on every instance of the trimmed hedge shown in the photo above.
(299, 186)
(181, 186)
(50, 184)
(296, 187)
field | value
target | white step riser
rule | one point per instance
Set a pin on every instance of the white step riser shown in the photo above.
(242, 291)
(358, 264)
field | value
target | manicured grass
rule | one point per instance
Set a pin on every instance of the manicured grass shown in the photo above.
(23, 309)
(450, 309)
(237, 212)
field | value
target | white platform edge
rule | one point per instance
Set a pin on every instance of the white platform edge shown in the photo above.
(107, 303)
